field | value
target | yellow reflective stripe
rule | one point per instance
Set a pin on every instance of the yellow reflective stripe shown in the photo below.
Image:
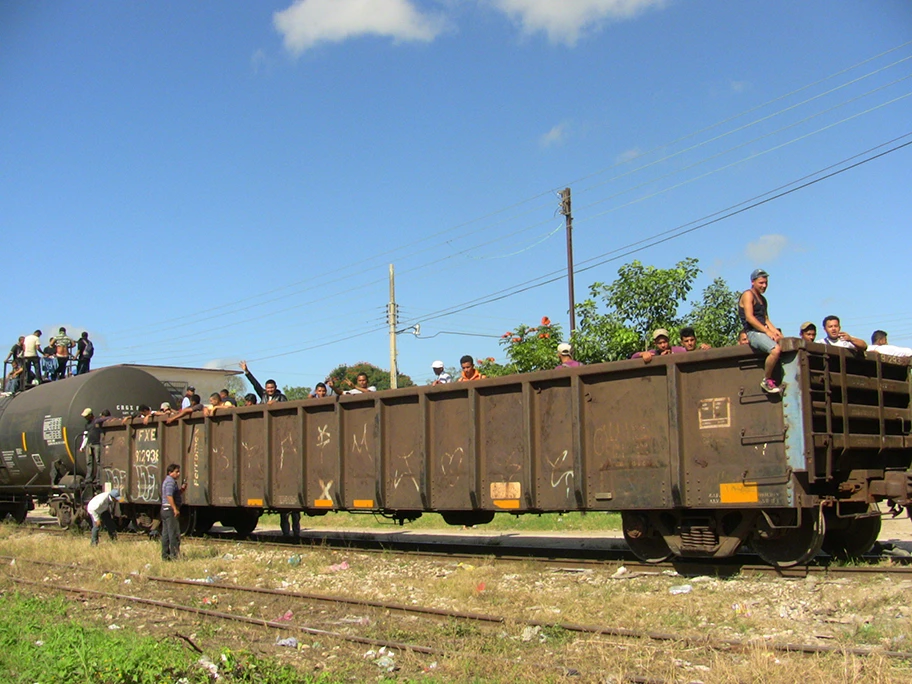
(66, 443)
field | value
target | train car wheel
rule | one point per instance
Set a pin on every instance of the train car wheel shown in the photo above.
(17, 512)
(187, 521)
(243, 521)
(204, 522)
(643, 539)
(854, 538)
(784, 546)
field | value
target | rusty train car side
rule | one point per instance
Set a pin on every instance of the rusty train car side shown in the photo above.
(688, 448)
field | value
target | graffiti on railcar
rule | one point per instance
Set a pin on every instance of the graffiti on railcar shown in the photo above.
(146, 481)
(560, 473)
(325, 488)
(451, 464)
(362, 446)
(406, 473)
(117, 478)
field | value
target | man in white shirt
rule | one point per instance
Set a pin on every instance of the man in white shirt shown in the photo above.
(880, 345)
(100, 511)
(31, 355)
(442, 376)
(837, 337)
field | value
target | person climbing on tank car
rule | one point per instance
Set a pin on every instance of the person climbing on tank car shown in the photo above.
(762, 335)
(92, 445)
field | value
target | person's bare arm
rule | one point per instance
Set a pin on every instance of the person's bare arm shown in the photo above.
(860, 345)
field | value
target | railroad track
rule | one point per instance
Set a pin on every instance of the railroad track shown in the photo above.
(569, 558)
(427, 545)
(289, 597)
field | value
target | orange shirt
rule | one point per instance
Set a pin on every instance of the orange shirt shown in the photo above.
(474, 376)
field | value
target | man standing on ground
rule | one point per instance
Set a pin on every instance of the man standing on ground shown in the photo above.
(170, 513)
(762, 335)
(85, 350)
(100, 511)
(31, 350)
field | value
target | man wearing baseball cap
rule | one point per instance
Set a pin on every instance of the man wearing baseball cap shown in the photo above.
(100, 511)
(762, 335)
(565, 356)
(442, 376)
(808, 331)
(662, 341)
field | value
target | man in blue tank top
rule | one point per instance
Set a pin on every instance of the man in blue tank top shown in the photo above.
(762, 335)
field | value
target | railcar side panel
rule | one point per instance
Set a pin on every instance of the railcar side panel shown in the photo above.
(222, 465)
(323, 442)
(251, 457)
(555, 443)
(403, 453)
(286, 457)
(502, 447)
(361, 461)
(733, 437)
(626, 438)
(451, 438)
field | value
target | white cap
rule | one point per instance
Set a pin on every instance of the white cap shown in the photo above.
(437, 364)
(86, 413)
(564, 349)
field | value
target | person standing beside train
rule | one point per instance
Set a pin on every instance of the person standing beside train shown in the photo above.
(762, 335)
(171, 499)
(99, 509)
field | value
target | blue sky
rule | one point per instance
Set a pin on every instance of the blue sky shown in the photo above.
(198, 183)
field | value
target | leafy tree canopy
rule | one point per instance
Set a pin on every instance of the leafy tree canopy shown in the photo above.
(295, 393)
(618, 319)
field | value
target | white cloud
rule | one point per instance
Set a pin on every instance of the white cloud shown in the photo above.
(628, 155)
(308, 22)
(555, 136)
(766, 248)
(259, 61)
(564, 20)
(739, 86)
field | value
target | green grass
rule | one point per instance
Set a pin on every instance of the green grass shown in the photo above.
(41, 642)
(503, 522)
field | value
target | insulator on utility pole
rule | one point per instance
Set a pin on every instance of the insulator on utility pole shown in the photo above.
(565, 210)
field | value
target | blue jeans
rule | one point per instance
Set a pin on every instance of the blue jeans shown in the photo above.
(107, 520)
(171, 537)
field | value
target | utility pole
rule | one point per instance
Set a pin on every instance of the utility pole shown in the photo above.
(393, 317)
(565, 210)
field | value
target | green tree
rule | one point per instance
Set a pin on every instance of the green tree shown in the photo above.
(532, 348)
(237, 387)
(640, 300)
(295, 393)
(344, 376)
(715, 317)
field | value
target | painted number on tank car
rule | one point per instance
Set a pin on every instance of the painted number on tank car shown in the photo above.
(52, 430)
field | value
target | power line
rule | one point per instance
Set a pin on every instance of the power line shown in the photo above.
(320, 280)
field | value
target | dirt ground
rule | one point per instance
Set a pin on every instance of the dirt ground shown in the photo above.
(697, 614)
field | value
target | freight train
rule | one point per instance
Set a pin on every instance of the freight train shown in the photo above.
(697, 459)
